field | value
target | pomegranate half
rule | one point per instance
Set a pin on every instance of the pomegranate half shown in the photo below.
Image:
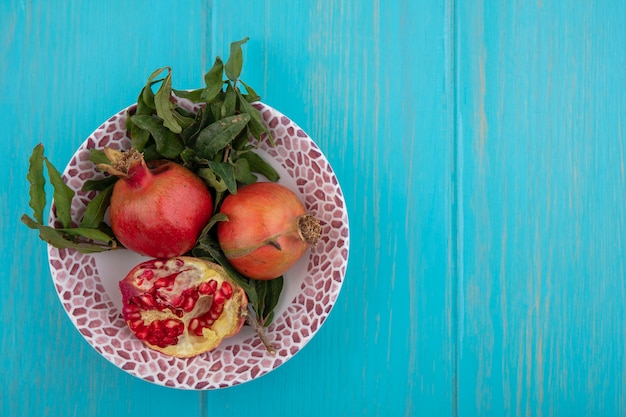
(182, 306)
(157, 209)
(268, 230)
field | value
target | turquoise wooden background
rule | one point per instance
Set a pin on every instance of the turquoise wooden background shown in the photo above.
(481, 150)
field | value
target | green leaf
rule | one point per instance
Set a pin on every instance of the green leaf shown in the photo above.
(145, 102)
(62, 195)
(234, 63)
(164, 105)
(88, 233)
(182, 118)
(97, 156)
(230, 101)
(139, 137)
(191, 95)
(146, 107)
(188, 156)
(259, 165)
(243, 173)
(59, 240)
(37, 183)
(208, 175)
(227, 173)
(150, 153)
(269, 295)
(213, 80)
(252, 96)
(203, 119)
(100, 184)
(96, 208)
(168, 144)
(219, 134)
(256, 124)
(216, 218)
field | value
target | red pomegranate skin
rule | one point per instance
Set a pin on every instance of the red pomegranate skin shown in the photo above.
(259, 213)
(160, 211)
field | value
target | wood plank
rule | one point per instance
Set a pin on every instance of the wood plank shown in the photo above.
(541, 101)
(65, 68)
(372, 84)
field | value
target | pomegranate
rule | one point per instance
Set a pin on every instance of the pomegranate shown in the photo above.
(157, 209)
(182, 306)
(267, 231)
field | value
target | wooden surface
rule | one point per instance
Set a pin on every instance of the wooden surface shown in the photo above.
(480, 148)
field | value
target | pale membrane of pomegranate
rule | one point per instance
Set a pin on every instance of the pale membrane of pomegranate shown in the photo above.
(182, 306)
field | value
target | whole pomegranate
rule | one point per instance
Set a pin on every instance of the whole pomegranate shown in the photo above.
(267, 231)
(182, 306)
(157, 209)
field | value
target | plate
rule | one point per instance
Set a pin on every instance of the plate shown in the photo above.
(87, 285)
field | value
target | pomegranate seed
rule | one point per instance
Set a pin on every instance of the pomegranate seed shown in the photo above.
(207, 288)
(146, 274)
(219, 298)
(226, 289)
(130, 308)
(133, 315)
(178, 301)
(147, 300)
(143, 333)
(171, 323)
(136, 325)
(162, 283)
(194, 323)
(190, 302)
(170, 340)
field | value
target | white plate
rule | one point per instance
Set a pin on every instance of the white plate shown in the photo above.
(87, 285)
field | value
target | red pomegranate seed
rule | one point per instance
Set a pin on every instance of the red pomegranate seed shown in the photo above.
(129, 308)
(136, 325)
(170, 340)
(162, 283)
(171, 323)
(146, 274)
(193, 324)
(189, 304)
(207, 288)
(143, 333)
(147, 300)
(214, 315)
(178, 301)
(226, 289)
(218, 298)
(133, 316)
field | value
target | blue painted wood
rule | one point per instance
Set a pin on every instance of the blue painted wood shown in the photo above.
(481, 152)
(541, 100)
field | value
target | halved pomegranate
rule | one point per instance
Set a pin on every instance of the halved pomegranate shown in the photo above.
(182, 306)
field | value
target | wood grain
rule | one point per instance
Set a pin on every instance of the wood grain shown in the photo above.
(541, 109)
(480, 148)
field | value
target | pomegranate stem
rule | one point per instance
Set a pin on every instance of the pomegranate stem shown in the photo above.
(252, 321)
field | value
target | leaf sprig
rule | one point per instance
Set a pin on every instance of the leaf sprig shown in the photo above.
(212, 141)
(91, 235)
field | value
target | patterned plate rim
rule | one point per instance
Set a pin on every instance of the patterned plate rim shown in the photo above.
(94, 314)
